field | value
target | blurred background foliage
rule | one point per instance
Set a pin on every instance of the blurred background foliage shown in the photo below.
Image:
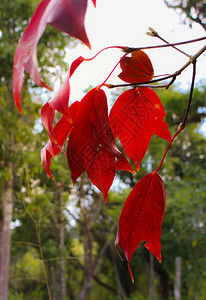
(76, 228)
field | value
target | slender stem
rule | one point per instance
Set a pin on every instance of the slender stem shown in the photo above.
(192, 59)
(191, 93)
(111, 86)
(173, 46)
(42, 259)
(36, 222)
(129, 49)
(182, 125)
(163, 158)
(65, 257)
(27, 278)
(26, 243)
(153, 86)
(110, 47)
(167, 45)
(28, 212)
(173, 76)
(103, 84)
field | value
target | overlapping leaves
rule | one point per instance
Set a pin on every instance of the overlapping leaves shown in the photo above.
(66, 16)
(91, 144)
(89, 132)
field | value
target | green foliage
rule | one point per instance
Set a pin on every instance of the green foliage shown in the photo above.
(183, 232)
(20, 142)
(193, 10)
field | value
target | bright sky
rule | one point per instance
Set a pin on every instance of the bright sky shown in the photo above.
(124, 23)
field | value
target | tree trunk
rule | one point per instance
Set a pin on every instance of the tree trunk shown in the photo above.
(163, 284)
(7, 208)
(177, 283)
(151, 282)
(87, 284)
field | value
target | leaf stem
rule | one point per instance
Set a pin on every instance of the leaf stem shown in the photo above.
(163, 158)
(106, 48)
(103, 84)
(182, 125)
(173, 76)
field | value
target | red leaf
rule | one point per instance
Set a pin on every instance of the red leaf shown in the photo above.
(75, 64)
(141, 217)
(67, 16)
(135, 116)
(137, 68)
(91, 144)
(61, 131)
(59, 102)
(94, 2)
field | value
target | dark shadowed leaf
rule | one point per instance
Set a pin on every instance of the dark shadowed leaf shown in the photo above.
(61, 131)
(137, 68)
(66, 16)
(59, 102)
(91, 144)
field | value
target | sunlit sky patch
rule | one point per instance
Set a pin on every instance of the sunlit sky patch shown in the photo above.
(125, 23)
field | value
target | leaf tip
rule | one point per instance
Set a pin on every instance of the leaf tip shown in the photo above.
(137, 165)
(159, 258)
(20, 110)
(105, 198)
(130, 273)
(17, 102)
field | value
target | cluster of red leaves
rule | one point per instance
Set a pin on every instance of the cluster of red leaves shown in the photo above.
(90, 133)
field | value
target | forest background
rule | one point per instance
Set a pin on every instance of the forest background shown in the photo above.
(73, 227)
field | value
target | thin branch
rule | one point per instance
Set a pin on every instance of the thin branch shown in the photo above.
(96, 278)
(64, 257)
(28, 212)
(182, 125)
(111, 86)
(27, 278)
(26, 243)
(174, 47)
(192, 59)
(42, 258)
(73, 216)
(103, 249)
(105, 285)
(191, 93)
(154, 33)
(173, 76)
(97, 210)
(167, 45)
